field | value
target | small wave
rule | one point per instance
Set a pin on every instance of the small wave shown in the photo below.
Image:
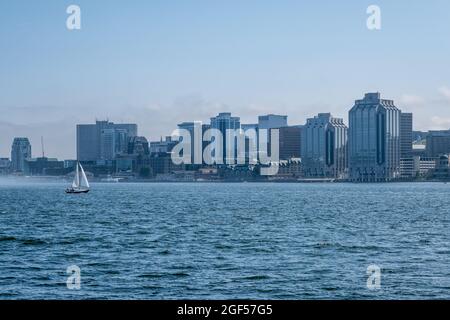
(256, 277)
(7, 238)
(33, 242)
(223, 246)
(150, 275)
(162, 275)
(180, 274)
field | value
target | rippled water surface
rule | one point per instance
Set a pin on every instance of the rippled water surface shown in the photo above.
(224, 241)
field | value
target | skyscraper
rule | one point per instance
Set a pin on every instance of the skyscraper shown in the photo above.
(20, 151)
(193, 127)
(103, 140)
(374, 139)
(406, 134)
(324, 147)
(267, 122)
(223, 122)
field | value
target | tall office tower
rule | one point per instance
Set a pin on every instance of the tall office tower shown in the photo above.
(103, 140)
(374, 139)
(20, 151)
(438, 143)
(223, 122)
(290, 142)
(107, 144)
(250, 131)
(121, 141)
(406, 134)
(194, 128)
(324, 147)
(270, 121)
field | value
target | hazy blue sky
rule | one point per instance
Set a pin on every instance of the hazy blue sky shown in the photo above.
(158, 63)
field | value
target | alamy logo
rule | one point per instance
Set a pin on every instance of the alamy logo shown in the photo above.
(374, 19)
(74, 279)
(227, 147)
(374, 277)
(73, 21)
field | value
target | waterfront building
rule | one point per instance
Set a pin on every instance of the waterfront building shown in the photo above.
(44, 166)
(267, 122)
(162, 164)
(223, 122)
(290, 142)
(194, 128)
(406, 134)
(69, 163)
(107, 144)
(5, 166)
(416, 166)
(103, 140)
(20, 151)
(324, 147)
(442, 169)
(288, 170)
(374, 139)
(251, 156)
(438, 143)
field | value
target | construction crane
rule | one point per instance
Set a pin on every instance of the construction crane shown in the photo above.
(42, 146)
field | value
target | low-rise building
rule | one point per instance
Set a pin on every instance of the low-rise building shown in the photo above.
(416, 166)
(5, 166)
(43, 166)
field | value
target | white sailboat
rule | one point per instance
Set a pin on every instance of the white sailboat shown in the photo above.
(80, 183)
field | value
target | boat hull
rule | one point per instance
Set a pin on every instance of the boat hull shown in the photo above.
(76, 191)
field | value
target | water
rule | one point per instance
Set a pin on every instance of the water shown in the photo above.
(224, 241)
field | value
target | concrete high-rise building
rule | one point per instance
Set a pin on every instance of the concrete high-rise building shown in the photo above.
(223, 122)
(103, 140)
(438, 143)
(20, 151)
(406, 135)
(374, 139)
(324, 147)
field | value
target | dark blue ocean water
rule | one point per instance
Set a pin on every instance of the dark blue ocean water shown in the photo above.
(224, 241)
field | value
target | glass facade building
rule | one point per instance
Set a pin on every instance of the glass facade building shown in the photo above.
(374, 139)
(20, 151)
(223, 122)
(324, 147)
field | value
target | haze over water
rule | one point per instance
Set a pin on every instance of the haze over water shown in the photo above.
(224, 241)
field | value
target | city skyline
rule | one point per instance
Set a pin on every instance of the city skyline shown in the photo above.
(151, 64)
(266, 121)
(376, 146)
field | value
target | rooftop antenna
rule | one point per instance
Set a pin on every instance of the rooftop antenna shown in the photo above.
(42, 146)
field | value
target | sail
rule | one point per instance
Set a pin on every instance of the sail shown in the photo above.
(76, 179)
(84, 181)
